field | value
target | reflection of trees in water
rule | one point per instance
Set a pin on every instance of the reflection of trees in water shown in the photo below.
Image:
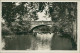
(41, 41)
(22, 42)
(62, 40)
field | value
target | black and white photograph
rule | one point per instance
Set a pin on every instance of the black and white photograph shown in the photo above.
(39, 26)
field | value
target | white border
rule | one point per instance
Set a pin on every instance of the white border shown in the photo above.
(39, 0)
(45, 51)
(0, 25)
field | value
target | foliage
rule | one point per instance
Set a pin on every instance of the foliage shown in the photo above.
(6, 30)
(15, 14)
(63, 13)
(20, 28)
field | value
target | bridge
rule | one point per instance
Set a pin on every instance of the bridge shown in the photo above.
(35, 24)
(41, 22)
(38, 23)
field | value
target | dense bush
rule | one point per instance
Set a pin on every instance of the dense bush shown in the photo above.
(20, 27)
(6, 30)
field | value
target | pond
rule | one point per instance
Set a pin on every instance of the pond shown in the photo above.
(39, 41)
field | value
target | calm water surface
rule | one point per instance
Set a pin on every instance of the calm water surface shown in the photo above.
(39, 41)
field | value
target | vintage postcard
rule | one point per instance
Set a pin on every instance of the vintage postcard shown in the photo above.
(39, 26)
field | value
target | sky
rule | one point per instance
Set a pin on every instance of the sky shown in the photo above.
(43, 16)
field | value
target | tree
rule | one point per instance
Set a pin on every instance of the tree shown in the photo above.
(65, 13)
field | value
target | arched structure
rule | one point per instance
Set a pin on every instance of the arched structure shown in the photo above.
(38, 26)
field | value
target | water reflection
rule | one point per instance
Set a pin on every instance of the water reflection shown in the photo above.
(37, 41)
(43, 41)
(28, 42)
